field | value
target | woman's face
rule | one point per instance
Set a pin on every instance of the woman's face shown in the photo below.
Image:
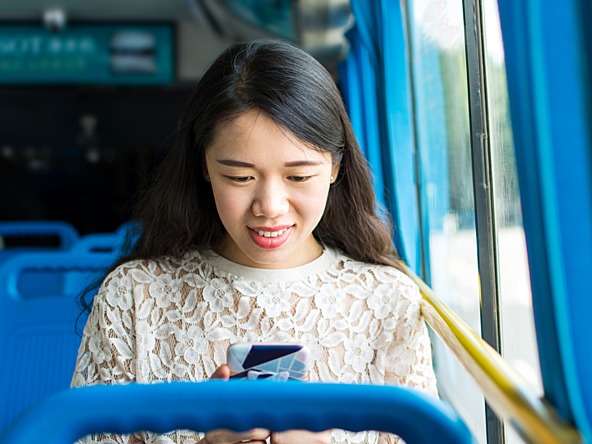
(270, 191)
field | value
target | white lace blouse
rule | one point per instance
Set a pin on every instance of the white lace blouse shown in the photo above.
(173, 319)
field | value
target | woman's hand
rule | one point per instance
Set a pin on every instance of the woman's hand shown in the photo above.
(223, 436)
(222, 372)
(301, 436)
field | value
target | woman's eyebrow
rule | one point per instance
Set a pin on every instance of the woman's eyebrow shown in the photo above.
(295, 163)
(298, 163)
(235, 163)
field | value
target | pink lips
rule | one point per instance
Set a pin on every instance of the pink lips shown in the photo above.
(270, 242)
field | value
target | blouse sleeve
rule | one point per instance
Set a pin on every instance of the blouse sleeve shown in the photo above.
(106, 354)
(409, 356)
(107, 351)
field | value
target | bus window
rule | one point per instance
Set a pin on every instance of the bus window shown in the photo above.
(518, 340)
(438, 70)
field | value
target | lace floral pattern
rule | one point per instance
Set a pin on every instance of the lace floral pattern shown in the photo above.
(173, 319)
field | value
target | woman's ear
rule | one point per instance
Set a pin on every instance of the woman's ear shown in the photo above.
(334, 173)
(205, 174)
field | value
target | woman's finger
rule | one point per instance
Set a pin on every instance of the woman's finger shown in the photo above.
(301, 436)
(224, 436)
(222, 372)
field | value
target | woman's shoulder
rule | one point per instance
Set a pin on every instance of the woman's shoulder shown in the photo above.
(147, 270)
(120, 286)
(388, 291)
(381, 274)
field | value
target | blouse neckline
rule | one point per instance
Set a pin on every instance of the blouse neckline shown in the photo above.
(324, 261)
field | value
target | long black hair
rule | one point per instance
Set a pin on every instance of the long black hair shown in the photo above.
(178, 213)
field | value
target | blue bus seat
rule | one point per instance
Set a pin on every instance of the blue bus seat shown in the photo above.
(240, 405)
(100, 243)
(130, 231)
(38, 333)
(132, 227)
(118, 242)
(65, 234)
(47, 274)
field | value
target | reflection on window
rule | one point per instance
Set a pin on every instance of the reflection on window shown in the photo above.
(438, 64)
(519, 345)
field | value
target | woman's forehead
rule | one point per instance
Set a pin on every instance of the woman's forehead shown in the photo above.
(254, 135)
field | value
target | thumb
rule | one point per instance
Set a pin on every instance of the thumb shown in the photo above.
(222, 372)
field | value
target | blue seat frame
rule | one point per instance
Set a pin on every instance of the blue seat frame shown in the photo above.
(238, 405)
(45, 274)
(65, 232)
(100, 242)
(38, 336)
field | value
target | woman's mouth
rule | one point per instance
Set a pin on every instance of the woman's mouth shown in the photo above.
(270, 237)
(271, 233)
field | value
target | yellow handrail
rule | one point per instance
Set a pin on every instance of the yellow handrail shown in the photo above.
(509, 396)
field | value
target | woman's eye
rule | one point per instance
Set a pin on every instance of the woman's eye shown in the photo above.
(240, 179)
(299, 178)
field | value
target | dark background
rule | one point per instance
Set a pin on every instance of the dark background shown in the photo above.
(51, 169)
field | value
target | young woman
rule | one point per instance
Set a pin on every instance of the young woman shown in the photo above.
(261, 226)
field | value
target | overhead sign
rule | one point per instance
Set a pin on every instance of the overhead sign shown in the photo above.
(96, 54)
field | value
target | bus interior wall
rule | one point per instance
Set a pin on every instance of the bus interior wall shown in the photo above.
(82, 155)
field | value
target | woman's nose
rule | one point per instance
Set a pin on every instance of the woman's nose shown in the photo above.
(270, 200)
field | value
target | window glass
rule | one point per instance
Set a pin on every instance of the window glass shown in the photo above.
(438, 69)
(519, 346)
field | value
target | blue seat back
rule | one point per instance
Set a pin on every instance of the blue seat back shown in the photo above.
(240, 405)
(65, 234)
(49, 274)
(100, 243)
(131, 227)
(119, 242)
(38, 333)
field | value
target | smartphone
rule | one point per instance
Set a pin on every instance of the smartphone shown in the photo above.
(277, 362)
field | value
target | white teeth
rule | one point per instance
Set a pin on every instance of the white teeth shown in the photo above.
(271, 233)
